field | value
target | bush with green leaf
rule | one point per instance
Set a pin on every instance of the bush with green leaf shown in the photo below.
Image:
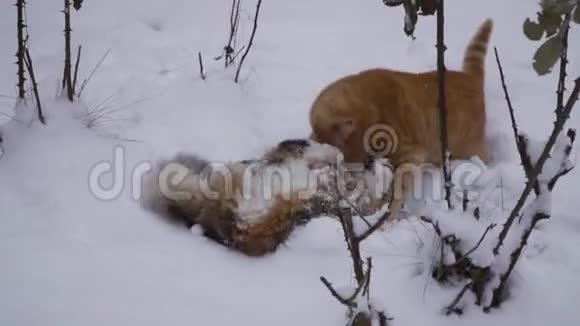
(551, 24)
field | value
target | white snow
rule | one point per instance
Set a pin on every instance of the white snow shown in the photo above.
(68, 257)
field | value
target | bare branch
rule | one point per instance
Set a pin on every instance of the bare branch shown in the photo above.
(250, 42)
(20, 52)
(353, 245)
(561, 118)
(498, 293)
(563, 62)
(374, 227)
(346, 216)
(367, 283)
(201, 73)
(67, 78)
(28, 62)
(524, 157)
(442, 101)
(238, 53)
(74, 84)
(571, 134)
(335, 294)
(434, 224)
(363, 286)
(489, 228)
(452, 308)
(506, 93)
(229, 48)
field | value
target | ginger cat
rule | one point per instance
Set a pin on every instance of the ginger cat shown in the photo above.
(406, 102)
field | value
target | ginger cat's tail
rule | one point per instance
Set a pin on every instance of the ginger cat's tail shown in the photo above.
(474, 59)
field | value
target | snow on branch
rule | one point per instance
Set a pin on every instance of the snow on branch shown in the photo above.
(464, 254)
(557, 165)
(561, 118)
(480, 264)
(544, 164)
(360, 309)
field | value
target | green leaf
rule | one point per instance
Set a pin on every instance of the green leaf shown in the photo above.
(547, 55)
(533, 30)
(550, 22)
(576, 15)
(559, 7)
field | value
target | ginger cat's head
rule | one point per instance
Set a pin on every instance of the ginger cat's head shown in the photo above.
(334, 121)
(342, 133)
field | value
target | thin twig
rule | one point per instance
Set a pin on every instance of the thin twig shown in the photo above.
(234, 22)
(563, 63)
(13, 118)
(434, 224)
(101, 113)
(452, 308)
(432, 265)
(335, 294)
(506, 93)
(363, 286)
(571, 134)
(250, 42)
(102, 106)
(356, 210)
(201, 73)
(367, 283)
(344, 198)
(8, 96)
(238, 53)
(74, 84)
(374, 227)
(93, 72)
(489, 228)
(524, 157)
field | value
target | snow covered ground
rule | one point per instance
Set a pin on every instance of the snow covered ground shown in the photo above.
(70, 258)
